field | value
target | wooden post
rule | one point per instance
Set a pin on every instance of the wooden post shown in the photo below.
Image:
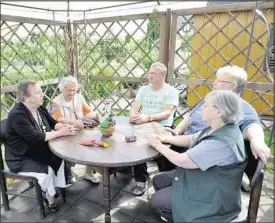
(75, 50)
(69, 50)
(167, 37)
(165, 26)
(172, 50)
(69, 43)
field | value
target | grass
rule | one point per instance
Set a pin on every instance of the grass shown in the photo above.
(267, 135)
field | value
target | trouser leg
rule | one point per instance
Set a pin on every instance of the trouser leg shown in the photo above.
(161, 202)
(163, 180)
(140, 172)
(162, 199)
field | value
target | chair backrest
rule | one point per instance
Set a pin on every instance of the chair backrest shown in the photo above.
(254, 166)
(255, 173)
(2, 140)
(3, 130)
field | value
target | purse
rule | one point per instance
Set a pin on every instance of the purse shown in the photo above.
(90, 122)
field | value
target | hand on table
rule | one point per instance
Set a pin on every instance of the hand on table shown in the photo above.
(154, 140)
(78, 124)
(67, 130)
(139, 118)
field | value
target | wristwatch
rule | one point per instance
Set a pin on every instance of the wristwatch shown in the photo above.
(150, 118)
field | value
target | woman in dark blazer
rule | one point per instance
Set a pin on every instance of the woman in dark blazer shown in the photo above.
(29, 127)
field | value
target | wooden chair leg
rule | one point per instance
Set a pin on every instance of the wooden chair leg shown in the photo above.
(63, 194)
(3, 185)
(39, 198)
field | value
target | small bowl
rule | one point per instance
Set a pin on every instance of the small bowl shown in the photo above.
(107, 132)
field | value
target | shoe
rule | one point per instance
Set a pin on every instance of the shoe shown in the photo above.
(140, 188)
(94, 179)
(163, 219)
(52, 207)
(71, 181)
(246, 183)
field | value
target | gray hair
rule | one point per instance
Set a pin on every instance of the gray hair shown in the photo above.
(23, 90)
(64, 82)
(160, 66)
(228, 104)
(237, 74)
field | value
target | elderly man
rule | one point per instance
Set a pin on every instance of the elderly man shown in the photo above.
(71, 108)
(156, 101)
(229, 78)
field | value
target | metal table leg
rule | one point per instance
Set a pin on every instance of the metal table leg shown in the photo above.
(106, 194)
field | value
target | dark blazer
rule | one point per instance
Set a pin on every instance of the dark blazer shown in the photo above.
(26, 149)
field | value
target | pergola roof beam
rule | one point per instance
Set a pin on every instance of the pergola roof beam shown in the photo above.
(113, 6)
(29, 7)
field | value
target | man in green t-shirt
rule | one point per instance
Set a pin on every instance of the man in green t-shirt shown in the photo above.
(156, 101)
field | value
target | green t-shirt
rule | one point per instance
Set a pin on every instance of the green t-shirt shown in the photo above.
(153, 102)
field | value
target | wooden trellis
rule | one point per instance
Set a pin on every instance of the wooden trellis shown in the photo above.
(111, 56)
(103, 49)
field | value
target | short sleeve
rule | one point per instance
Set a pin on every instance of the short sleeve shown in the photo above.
(172, 98)
(139, 94)
(55, 111)
(249, 117)
(194, 137)
(85, 107)
(210, 153)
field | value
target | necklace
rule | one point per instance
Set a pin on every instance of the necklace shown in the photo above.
(40, 122)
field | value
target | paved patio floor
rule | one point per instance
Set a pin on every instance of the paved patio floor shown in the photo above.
(85, 203)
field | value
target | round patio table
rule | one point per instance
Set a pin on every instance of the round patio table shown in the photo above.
(117, 154)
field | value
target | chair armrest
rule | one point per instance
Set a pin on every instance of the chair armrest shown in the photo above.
(258, 172)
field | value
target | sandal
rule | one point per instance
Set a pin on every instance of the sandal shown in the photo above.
(140, 188)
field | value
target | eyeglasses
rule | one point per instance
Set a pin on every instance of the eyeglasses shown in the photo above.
(209, 106)
(221, 81)
(154, 73)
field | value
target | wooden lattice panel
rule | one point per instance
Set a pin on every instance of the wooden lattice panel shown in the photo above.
(30, 51)
(206, 40)
(114, 55)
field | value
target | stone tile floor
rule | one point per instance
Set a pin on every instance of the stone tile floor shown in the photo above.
(85, 203)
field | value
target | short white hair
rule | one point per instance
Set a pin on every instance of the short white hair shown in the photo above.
(237, 74)
(228, 104)
(64, 82)
(160, 66)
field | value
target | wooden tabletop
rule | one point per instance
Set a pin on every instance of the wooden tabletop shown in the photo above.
(118, 154)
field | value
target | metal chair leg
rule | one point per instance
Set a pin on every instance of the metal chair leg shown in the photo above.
(63, 194)
(4, 192)
(39, 198)
(30, 184)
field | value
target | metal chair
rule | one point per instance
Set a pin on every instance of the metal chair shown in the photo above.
(255, 173)
(6, 173)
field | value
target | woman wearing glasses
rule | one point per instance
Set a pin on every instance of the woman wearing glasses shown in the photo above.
(206, 184)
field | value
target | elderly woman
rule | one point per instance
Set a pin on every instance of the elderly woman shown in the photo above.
(231, 78)
(29, 128)
(206, 185)
(71, 108)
